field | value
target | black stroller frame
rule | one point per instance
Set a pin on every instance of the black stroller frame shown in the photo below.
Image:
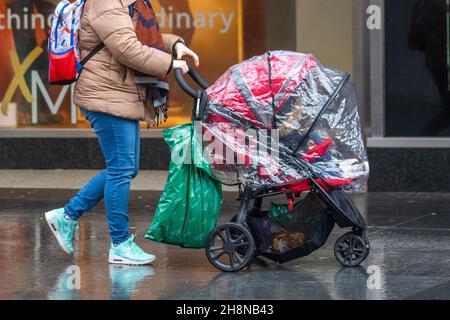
(240, 239)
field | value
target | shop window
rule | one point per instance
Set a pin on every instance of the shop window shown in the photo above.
(222, 32)
(417, 68)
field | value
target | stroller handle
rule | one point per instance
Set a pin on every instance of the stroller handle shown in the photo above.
(186, 87)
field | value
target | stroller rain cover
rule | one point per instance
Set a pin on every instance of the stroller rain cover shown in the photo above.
(270, 115)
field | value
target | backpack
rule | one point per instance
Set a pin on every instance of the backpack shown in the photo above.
(65, 64)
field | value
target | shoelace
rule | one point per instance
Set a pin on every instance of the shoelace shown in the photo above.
(134, 248)
(74, 226)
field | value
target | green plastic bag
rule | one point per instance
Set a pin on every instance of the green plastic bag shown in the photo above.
(192, 199)
(276, 210)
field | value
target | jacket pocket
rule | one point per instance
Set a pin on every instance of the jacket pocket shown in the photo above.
(129, 77)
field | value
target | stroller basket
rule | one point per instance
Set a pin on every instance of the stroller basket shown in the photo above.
(294, 234)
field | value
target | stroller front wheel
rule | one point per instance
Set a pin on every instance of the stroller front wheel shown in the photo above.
(351, 249)
(230, 247)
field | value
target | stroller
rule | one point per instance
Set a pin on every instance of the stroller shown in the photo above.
(282, 125)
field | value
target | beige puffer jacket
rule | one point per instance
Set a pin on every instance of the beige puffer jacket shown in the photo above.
(106, 83)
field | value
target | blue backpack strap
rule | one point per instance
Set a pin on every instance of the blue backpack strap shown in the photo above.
(131, 10)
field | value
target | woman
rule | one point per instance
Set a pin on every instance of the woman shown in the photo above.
(123, 83)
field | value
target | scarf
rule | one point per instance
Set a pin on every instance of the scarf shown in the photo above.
(153, 92)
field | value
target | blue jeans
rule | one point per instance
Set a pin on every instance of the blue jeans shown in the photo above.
(119, 141)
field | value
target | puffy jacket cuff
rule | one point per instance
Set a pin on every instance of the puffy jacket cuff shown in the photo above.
(174, 54)
(171, 65)
(169, 41)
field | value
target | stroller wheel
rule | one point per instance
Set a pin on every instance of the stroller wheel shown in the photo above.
(351, 249)
(230, 247)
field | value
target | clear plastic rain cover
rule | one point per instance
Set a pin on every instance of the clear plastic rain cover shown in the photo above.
(273, 119)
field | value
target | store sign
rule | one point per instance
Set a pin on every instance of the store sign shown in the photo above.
(210, 27)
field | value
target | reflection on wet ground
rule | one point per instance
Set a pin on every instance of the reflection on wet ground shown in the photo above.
(410, 255)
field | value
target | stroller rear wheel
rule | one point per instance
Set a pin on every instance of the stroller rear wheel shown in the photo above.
(351, 249)
(230, 247)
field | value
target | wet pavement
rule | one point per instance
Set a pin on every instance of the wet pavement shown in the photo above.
(409, 259)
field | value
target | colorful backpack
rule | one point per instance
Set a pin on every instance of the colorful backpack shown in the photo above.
(65, 63)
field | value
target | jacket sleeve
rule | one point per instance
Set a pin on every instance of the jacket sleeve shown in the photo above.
(170, 40)
(115, 28)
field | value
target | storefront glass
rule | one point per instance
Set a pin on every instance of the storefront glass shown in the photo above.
(417, 68)
(222, 32)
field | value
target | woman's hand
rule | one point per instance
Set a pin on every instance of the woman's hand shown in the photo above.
(181, 50)
(181, 64)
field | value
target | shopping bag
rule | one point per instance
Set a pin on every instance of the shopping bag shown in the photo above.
(192, 198)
